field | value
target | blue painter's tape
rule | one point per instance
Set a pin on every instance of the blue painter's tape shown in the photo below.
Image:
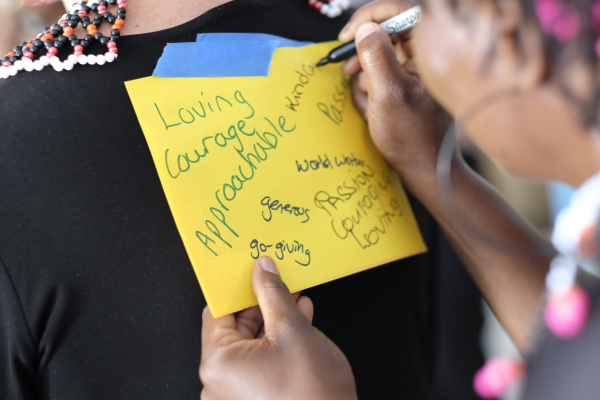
(216, 59)
(233, 36)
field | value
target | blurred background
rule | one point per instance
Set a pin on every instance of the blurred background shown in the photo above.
(467, 331)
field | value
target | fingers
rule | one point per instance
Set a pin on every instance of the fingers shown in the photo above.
(378, 11)
(250, 321)
(306, 306)
(377, 57)
(217, 332)
(351, 66)
(359, 96)
(275, 300)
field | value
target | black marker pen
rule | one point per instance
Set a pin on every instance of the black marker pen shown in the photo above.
(393, 26)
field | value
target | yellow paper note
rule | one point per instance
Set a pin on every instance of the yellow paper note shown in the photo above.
(280, 166)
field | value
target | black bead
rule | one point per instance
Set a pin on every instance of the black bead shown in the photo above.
(122, 16)
(58, 44)
(46, 29)
(73, 24)
(86, 18)
(107, 14)
(76, 18)
(55, 33)
(72, 37)
(68, 16)
(40, 35)
(38, 43)
(99, 17)
(85, 24)
(34, 49)
(98, 35)
(89, 38)
(23, 44)
(84, 43)
(121, 10)
(63, 39)
(115, 38)
(5, 59)
(104, 40)
(115, 32)
(16, 48)
(112, 2)
(19, 53)
(74, 42)
(48, 42)
(56, 26)
(95, 7)
(97, 22)
(14, 58)
(87, 9)
(103, 3)
(111, 20)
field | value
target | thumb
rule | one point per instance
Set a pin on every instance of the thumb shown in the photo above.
(274, 298)
(377, 57)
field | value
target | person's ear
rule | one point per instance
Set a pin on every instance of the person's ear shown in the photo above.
(520, 45)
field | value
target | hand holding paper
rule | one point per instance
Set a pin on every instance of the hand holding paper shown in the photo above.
(279, 165)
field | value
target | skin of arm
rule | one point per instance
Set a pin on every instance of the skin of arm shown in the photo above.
(407, 125)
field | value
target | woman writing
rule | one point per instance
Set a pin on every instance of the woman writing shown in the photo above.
(521, 78)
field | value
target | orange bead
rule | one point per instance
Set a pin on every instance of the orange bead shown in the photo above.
(115, 26)
(49, 36)
(43, 38)
(11, 54)
(28, 45)
(68, 31)
(92, 28)
(120, 21)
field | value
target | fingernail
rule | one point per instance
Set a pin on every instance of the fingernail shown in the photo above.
(268, 265)
(206, 309)
(364, 30)
(344, 30)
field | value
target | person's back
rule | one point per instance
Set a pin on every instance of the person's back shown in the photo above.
(97, 295)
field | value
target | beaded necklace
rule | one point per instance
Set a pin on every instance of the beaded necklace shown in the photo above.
(330, 8)
(60, 35)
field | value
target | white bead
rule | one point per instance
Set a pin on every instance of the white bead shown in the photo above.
(55, 60)
(82, 59)
(28, 67)
(89, 3)
(58, 67)
(64, 17)
(4, 72)
(100, 59)
(45, 60)
(345, 4)
(325, 9)
(75, 8)
(38, 65)
(110, 57)
(68, 65)
(12, 70)
(26, 60)
(91, 59)
(18, 65)
(73, 59)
